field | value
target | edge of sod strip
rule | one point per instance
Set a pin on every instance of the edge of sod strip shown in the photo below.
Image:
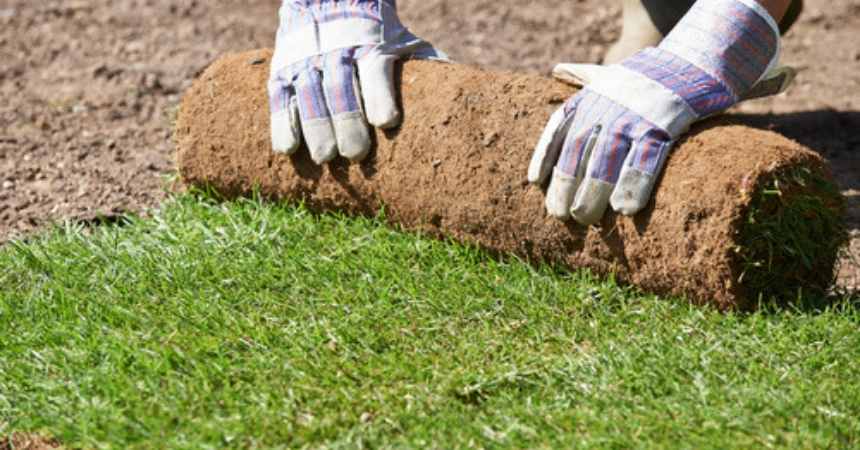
(793, 235)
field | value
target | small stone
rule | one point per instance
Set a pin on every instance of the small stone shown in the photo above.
(257, 61)
(365, 417)
(491, 139)
(8, 184)
(79, 109)
(151, 81)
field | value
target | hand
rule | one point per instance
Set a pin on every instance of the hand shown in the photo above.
(334, 63)
(608, 143)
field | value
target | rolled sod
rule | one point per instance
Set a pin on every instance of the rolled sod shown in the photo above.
(739, 215)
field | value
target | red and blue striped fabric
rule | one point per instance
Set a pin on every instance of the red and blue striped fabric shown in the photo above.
(296, 13)
(619, 130)
(701, 90)
(729, 40)
(726, 49)
(323, 84)
(332, 75)
(607, 132)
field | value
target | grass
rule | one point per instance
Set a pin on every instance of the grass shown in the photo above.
(251, 325)
(793, 235)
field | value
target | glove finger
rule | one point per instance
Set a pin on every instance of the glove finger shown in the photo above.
(284, 120)
(286, 129)
(586, 124)
(376, 75)
(315, 118)
(565, 184)
(549, 146)
(639, 174)
(567, 175)
(593, 195)
(341, 93)
(579, 140)
(604, 164)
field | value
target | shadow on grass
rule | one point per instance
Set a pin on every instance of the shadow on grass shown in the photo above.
(838, 300)
(87, 224)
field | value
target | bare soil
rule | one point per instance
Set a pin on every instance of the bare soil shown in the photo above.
(90, 88)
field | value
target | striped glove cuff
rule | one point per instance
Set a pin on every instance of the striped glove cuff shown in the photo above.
(714, 57)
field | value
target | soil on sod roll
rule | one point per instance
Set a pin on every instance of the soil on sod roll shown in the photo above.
(456, 168)
(28, 442)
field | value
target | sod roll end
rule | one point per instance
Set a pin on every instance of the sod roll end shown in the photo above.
(738, 215)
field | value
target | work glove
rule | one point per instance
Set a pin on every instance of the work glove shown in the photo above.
(334, 63)
(608, 143)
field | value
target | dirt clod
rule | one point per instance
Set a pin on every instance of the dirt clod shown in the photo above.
(28, 442)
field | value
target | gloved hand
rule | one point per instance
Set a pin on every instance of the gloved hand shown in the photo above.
(329, 56)
(609, 142)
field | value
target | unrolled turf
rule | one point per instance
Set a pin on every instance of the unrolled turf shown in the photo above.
(740, 214)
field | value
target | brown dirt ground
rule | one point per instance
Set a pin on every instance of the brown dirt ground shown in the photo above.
(90, 87)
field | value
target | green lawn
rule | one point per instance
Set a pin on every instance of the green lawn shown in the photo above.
(253, 325)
